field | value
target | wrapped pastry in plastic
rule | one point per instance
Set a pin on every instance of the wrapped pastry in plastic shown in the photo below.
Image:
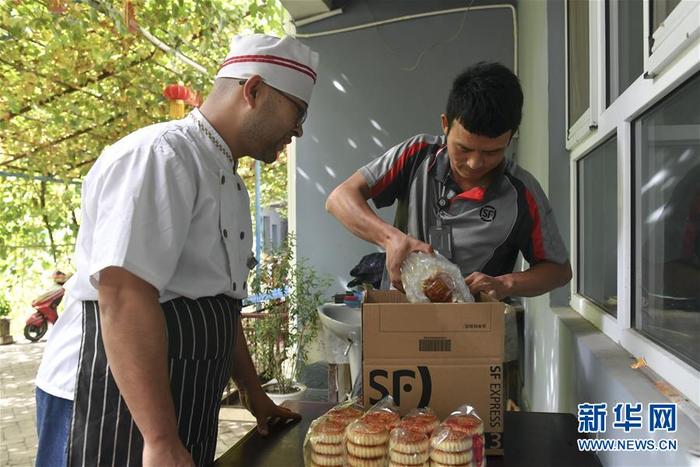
(366, 444)
(323, 444)
(367, 439)
(324, 441)
(422, 420)
(345, 414)
(384, 413)
(432, 278)
(459, 440)
(408, 447)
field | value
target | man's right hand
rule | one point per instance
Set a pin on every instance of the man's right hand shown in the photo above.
(171, 454)
(397, 249)
(348, 203)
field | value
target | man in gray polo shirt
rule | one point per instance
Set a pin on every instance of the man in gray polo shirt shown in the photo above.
(459, 195)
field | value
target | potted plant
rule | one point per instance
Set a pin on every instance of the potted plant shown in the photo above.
(288, 321)
(5, 337)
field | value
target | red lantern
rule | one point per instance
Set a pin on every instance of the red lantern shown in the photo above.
(177, 94)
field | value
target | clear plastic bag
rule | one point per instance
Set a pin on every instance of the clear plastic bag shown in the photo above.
(459, 439)
(433, 278)
(422, 420)
(366, 443)
(408, 447)
(324, 443)
(384, 413)
(367, 439)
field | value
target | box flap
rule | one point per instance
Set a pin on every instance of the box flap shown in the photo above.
(385, 296)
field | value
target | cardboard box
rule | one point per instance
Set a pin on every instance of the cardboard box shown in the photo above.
(441, 355)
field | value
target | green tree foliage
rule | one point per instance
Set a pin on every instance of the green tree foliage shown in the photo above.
(38, 227)
(282, 337)
(75, 79)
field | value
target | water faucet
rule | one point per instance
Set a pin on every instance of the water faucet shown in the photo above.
(347, 349)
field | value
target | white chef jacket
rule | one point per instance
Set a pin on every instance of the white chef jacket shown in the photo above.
(165, 204)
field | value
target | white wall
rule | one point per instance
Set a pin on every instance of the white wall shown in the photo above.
(541, 391)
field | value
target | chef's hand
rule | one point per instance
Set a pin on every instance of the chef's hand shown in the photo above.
(264, 410)
(171, 453)
(496, 287)
(397, 248)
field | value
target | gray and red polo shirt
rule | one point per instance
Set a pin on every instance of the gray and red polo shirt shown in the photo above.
(489, 226)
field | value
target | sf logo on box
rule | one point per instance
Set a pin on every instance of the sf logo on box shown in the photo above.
(402, 381)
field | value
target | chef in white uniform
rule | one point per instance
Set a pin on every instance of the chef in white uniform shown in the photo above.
(134, 369)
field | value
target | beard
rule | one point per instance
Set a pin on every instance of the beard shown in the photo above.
(265, 140)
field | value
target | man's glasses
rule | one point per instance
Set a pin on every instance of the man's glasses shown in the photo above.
(301, 110)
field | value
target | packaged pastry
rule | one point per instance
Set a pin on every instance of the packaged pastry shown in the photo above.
(422, 420)
(459, 440)
(384, 413)
(408, 447)
(438, 288)
(433, 278)
(324, 444)
(366, 444)
(383, 417)
(345, 414)
(367, 439)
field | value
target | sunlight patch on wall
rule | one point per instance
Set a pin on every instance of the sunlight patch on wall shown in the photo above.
(339, 86)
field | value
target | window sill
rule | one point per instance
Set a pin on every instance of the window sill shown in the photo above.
(603, 374)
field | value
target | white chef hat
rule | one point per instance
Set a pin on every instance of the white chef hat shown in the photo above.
(285, 64)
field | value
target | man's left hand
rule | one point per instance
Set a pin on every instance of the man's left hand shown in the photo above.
(496, 287)
(265, 411)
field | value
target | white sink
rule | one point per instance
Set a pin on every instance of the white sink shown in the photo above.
(341, 319)
(346, 324)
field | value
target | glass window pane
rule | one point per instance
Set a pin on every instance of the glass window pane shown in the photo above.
(597, 226)
(578, 66)
(625, 41)
(667, 222)
(660, 9)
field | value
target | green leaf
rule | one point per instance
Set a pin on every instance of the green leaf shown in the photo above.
(81, 71)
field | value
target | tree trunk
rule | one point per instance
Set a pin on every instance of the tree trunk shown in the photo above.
(42, 198)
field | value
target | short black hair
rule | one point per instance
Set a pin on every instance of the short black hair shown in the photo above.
(486, 99)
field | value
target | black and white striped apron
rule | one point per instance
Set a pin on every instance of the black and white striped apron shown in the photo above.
(201, 334)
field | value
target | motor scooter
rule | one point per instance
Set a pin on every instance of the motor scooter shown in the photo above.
(46, 306)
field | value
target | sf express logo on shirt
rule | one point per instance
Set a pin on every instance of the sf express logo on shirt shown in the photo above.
(487, 213)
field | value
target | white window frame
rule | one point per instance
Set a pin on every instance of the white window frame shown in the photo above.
(586, 307)
(617, 121)
(681, 28)
(587, 122)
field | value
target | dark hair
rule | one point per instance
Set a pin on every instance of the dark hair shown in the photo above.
(486, 99)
